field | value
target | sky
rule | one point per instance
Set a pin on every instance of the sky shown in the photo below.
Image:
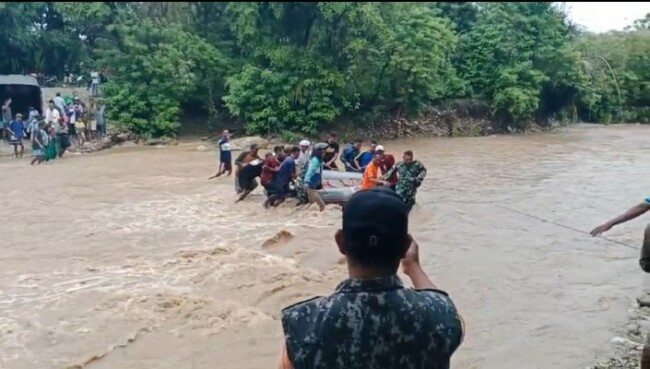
(602, 17)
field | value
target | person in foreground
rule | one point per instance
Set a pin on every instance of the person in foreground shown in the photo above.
(372, 320)
(644, 260)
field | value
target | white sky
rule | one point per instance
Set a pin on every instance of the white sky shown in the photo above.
(603, 17)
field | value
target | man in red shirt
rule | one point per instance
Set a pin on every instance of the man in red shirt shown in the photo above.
(386, 163)
(269, 168)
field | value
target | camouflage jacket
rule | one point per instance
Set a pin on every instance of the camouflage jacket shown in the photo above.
(373, 324)
(410, 177)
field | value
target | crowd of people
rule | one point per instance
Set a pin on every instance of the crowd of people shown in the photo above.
(297, 170)
(67, 121)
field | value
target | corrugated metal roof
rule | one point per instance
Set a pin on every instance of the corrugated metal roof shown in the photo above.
(17, 79)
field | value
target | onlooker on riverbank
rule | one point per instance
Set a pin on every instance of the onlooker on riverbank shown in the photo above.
(40, 140)
(16, 131)
(385, 325)
(100, 117)
(6, 117)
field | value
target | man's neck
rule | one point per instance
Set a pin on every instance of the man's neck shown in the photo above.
(356, 272)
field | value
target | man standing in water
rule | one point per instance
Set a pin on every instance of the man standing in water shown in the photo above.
(332, 153)
(350, 152)
(16, 130)
(314, 175)
(387, 163)
(370, 177)
(410, 175)
(372, 320)
(225, 155)
(248, 167)
(644, 260)
(286, 173)
(40, 140)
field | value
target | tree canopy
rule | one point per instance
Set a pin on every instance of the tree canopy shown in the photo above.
(301, 66)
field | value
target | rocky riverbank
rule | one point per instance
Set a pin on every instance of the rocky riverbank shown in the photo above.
(628, 348)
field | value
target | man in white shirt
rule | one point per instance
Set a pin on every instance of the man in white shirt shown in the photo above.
(305, 153)
(52, 115)
(94, 83)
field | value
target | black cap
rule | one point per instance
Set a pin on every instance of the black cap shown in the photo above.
(375, 224)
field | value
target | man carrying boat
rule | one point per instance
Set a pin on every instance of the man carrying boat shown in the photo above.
(410, 175)
(350, 152)
(370, 177)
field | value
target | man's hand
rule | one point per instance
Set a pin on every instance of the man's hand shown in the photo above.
(412, 259)
(600, 229)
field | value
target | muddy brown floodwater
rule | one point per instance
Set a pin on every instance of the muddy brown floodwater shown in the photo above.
(130, 258)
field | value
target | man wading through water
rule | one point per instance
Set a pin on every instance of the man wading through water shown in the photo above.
(644, 260)
(410, 174)
(225, 156)
(248, 168)
(372, 320)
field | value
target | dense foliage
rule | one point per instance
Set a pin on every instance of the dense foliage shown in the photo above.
(301, 66)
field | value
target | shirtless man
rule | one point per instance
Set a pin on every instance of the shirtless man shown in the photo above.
(644, 260)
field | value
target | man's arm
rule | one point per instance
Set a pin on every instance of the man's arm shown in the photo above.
(390, 172)
(412, 268)
(422, 173)
(336, 156)
(628, 215)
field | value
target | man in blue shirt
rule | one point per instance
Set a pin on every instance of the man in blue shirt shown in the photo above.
(286, 173)
(350, 152)
(225, 155)
(362, 160)
(16, 131)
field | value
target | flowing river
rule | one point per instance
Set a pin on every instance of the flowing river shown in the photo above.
(131, 259)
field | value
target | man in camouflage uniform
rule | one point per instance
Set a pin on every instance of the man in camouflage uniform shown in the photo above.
(372, 320)
(410, 174)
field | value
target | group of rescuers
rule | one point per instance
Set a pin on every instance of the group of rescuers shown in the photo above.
(302, 166)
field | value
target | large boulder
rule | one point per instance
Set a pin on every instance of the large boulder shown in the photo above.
(244, 143)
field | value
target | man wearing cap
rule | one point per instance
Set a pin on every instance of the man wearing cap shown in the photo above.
(410, 175)
(16, 131)
(372, 320)
(387, 163)
(303, 158)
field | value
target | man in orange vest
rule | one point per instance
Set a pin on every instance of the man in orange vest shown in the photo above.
(370, 177)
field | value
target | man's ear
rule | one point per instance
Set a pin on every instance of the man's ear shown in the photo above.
(338, 237)
(407, 244)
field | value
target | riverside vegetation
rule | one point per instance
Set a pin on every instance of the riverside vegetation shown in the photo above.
(304, 67)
